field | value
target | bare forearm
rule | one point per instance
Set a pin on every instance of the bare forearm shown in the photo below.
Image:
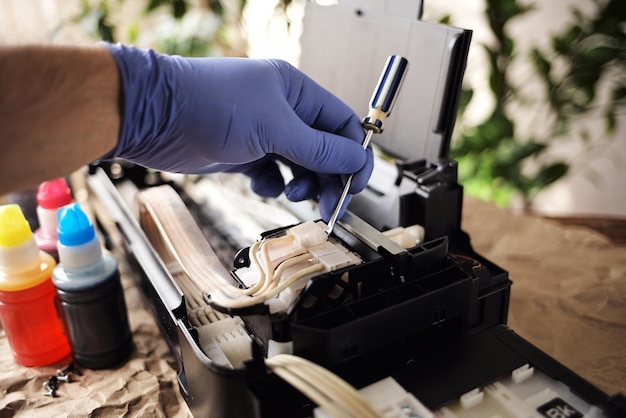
(59, 109)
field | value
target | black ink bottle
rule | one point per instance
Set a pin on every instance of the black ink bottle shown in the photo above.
(90, 297)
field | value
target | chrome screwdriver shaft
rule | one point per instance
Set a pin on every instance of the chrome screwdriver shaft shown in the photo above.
(346, 188)
(381, 103)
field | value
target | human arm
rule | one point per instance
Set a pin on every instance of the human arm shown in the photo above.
(59, 110)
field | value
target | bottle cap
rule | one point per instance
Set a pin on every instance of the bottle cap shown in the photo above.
(75, 228)
(14, 228)
(53, 194)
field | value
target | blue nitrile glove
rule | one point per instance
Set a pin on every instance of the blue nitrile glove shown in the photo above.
(202, 115)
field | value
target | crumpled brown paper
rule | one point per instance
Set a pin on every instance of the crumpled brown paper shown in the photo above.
(569, 288)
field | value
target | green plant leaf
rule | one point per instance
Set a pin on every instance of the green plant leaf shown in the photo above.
(153, 4)
(549, 174)
(105, 32)
(541, 63)
(618, 93)
(571, 36)
(512, 8)
(133, 32)
(465, 98)
(610, 121)
(216, 6)
(600, 55)
(104, 28)
(444, 20)
(179, 8)
(528, 149)
(560, 45)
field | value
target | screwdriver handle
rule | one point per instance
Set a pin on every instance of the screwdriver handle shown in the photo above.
(381, 103)
(385, 93)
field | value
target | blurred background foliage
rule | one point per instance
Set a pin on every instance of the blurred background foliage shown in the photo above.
(581, 73)
(185, 27)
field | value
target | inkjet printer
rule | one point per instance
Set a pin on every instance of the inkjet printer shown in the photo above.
(393, 314)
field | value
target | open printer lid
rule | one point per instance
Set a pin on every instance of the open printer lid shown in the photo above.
(345, 45)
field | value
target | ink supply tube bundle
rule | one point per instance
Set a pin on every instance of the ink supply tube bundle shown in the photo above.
(51, 196)
(89, 294)
(27, 310)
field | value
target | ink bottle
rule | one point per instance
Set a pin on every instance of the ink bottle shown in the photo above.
(27, 295)
(89, 292)
(51, 195)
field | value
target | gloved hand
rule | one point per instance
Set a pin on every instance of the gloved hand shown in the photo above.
(202, 115)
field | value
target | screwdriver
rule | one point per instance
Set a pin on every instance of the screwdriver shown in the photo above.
(380, 106)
